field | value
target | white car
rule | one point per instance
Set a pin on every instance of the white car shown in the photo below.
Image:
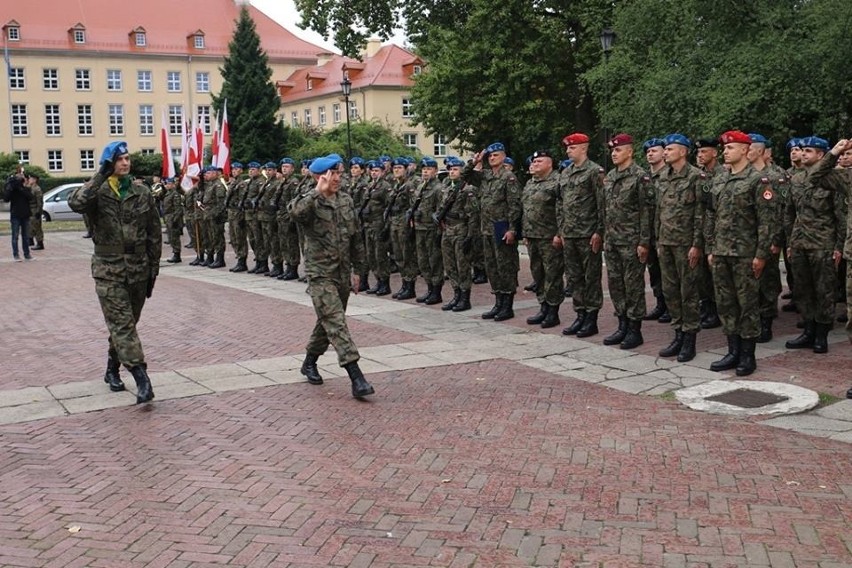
(56, 204)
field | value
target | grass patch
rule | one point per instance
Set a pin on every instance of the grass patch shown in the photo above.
(668, 395)
(51, 227)
(826, 399)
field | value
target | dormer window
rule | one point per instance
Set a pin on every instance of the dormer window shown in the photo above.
(141, 39)
(79, 36)
(198, 41)
(417, 70)
(13, 33)
(310, 85)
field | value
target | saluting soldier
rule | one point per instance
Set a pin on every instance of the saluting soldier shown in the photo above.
(173, 215)
(458, 222)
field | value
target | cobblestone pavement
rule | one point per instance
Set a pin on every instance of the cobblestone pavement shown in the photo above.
(485, 445)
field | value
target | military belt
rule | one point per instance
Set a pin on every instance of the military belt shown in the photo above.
(119, 249)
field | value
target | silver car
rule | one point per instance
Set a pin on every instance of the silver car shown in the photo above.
(56, 204)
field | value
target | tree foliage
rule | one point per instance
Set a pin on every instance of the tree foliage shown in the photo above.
(146, 164)
(9, 166)
(369, 140)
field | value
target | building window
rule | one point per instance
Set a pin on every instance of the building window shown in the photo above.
(16, 78)
(335, 112)
(87, 160)
(116, 120)
(20, 122)
(202, 82)
(440, 145)
(144, 81)
(54, 161)
(113, 79)
(175, 119)
(146, 120)
(13, 33)
(308, 120)
(141, 40)
(199, 41)
(23, 156)
(147, 151)
(173, 81)
(353, 110)
(204, 121)
(407, 111)
(176, 157)
(79, 36)
(52, 120)
(322, 116)
(51, 79)
(294, 119)
(417, 70)
(84, 120)
(410, 140)
(82, 80)
(310, 86)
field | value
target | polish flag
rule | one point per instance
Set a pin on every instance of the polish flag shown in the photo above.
(224, 150)
(214, 147)
(166, 149)
(185, 180)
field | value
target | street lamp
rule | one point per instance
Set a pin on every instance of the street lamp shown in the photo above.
(607, 38)
(346, 85)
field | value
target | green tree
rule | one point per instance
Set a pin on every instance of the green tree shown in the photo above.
(255, 130)
(369, 140)
(146, 164)
(9, 166)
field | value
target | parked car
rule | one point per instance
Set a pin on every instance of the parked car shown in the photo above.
(56, 204)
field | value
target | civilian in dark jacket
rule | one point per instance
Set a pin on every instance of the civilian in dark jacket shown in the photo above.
(19, 197)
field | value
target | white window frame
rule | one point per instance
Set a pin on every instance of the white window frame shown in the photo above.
(174, 84)
(87, 160)
(410, 140)
(141, 39)
(82, 80)
(17, 79)
(50, 79)
(335, 113)
(115, 112)
(13, 33)
(144, 80)
(85, 120)
(308, 118)
(23, 156)
(175, 119)
(204, 113)
(294, 119)
(198, 41)
(80, 36)
(55, 161)
(202, 82)
(439, 145)
(322, 116)
(147, 151)
(114, 80)
(146, 120)
(353, 110)
(407, 110)
(52, 120)
(20, 120)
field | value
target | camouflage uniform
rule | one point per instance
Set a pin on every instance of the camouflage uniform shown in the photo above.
(706, 289)
(371, 215)
(655, 275)
(267, 216)
(36, 209)
(459, 207)
(236, 217)
(847, 254)
(215, 193)
(540, 226)
(680, 226)
(288, 238)
(249, 204)
(770, 280)
(128, 244)
(173, 217)
(427, 238)
(333, 249)
(399, 202)
(627, 224)
(192, 216)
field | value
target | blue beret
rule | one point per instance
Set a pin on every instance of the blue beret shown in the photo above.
(454, 162)
(272, 165)
(283, 161)
(206, 169)
(306, 162)
(254, 164)
(677, 139)
(495, 147)
(374, 164)
(169, 180)
(384, 159)
(652, 142)
(410, 160)
(794, 143)
(322, 165)
(357, 161)
(509, 161)
(758, 138)
(236, 165)
(815, 142)
(428, 162)
(400, 161)
(113, 150)
(528, 161)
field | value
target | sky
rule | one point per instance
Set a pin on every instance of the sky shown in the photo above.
(284, 12)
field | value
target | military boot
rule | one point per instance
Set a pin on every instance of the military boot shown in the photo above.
(498, 305)
(206, 259)
(422, 298)
(290, 273)
(309, 369)
(277, 270)
(264, 267)
(687, 351)
(732, 358)
(821, 337)
(240, 266)
(479, 276)
(435, 295)
(506, 311)
(674, 347)
(532, 287)
(806, 339)
(765, 330)
(144, 390)
(255, 268)
(384, 287)
(365, 283)
(197, 260)
(536, 319)
(464, 302)
(747, 363)
(39, 245)
(175, 258)
(360, 386)
(375, 287)
(407, 291)
(551, 318)
(634, 337)
(658, 310)
(590, 324)
(219, 262)
(711, 319)
(578, 323)
(453, 301)
(111, 375)
(619, 334)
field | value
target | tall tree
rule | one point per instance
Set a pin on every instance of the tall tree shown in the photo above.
(256, 131)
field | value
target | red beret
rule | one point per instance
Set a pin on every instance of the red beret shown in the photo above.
(735, 136)
(620, 140)
(575, 138)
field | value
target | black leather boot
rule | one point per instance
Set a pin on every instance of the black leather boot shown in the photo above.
(539, 317)
(747, 363)
(634, 337)
(144, 390)
(619, 334)
(687, 351)
(658, 310)
(732, 358)
(384, 288)
(39, 246)
(407, 291)
(206, 259)
(175, 258)
(219, 262)
(254, 269)
(375, 287)
(551, 318)
(532, 287)
(263, 268)
(506, 311)
(365, 283)
(498, 305)
(821, 337)
(578, 323)
(479, 277)
(806, 339)
(309, 369)
(240, 266)
(197, 260)
(590, 324)
(277, 270)
(111, 375)
(665, 318)
(674, 347)
(454, 301)
(711, 320)
(464, 302)
(765, 330)
(435, 295)
(422, 298)
(360, 386)
(292, 273)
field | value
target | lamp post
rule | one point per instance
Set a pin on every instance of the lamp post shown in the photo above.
(607, 38)
(346, 85)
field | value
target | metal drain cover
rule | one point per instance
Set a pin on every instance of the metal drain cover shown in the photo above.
(748, 398)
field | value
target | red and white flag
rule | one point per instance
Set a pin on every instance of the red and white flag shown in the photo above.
(185, 180)
(214, 147)
(166, 149)
(224, 150)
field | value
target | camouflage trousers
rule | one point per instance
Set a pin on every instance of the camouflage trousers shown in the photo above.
(626, 280)
(429, 259)
(269, 226)
(816, 282)
(216, 232)
(256, 240)
(199, 231)
(404, 251)
(477, 256)
(770, 288)
(737, 292)
(655, 273)
(377, 253)
(174, 230)
(288, 241)
(849, 300)
(330, 297)
(36, 231)
(583, 269)
(456, 262)
(706, 288)
(501, 265)
(547, 266)
(121, 304)
(681, 287)
(237, 233)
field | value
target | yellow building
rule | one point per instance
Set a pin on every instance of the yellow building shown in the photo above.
(381, 90)
(79, 76)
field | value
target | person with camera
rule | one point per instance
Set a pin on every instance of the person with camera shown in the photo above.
(18, 195)
(126, 260)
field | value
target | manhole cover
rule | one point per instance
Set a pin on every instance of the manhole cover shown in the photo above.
(747, 398)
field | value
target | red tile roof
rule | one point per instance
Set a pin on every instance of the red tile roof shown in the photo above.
(391, 66)
(169, 25)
